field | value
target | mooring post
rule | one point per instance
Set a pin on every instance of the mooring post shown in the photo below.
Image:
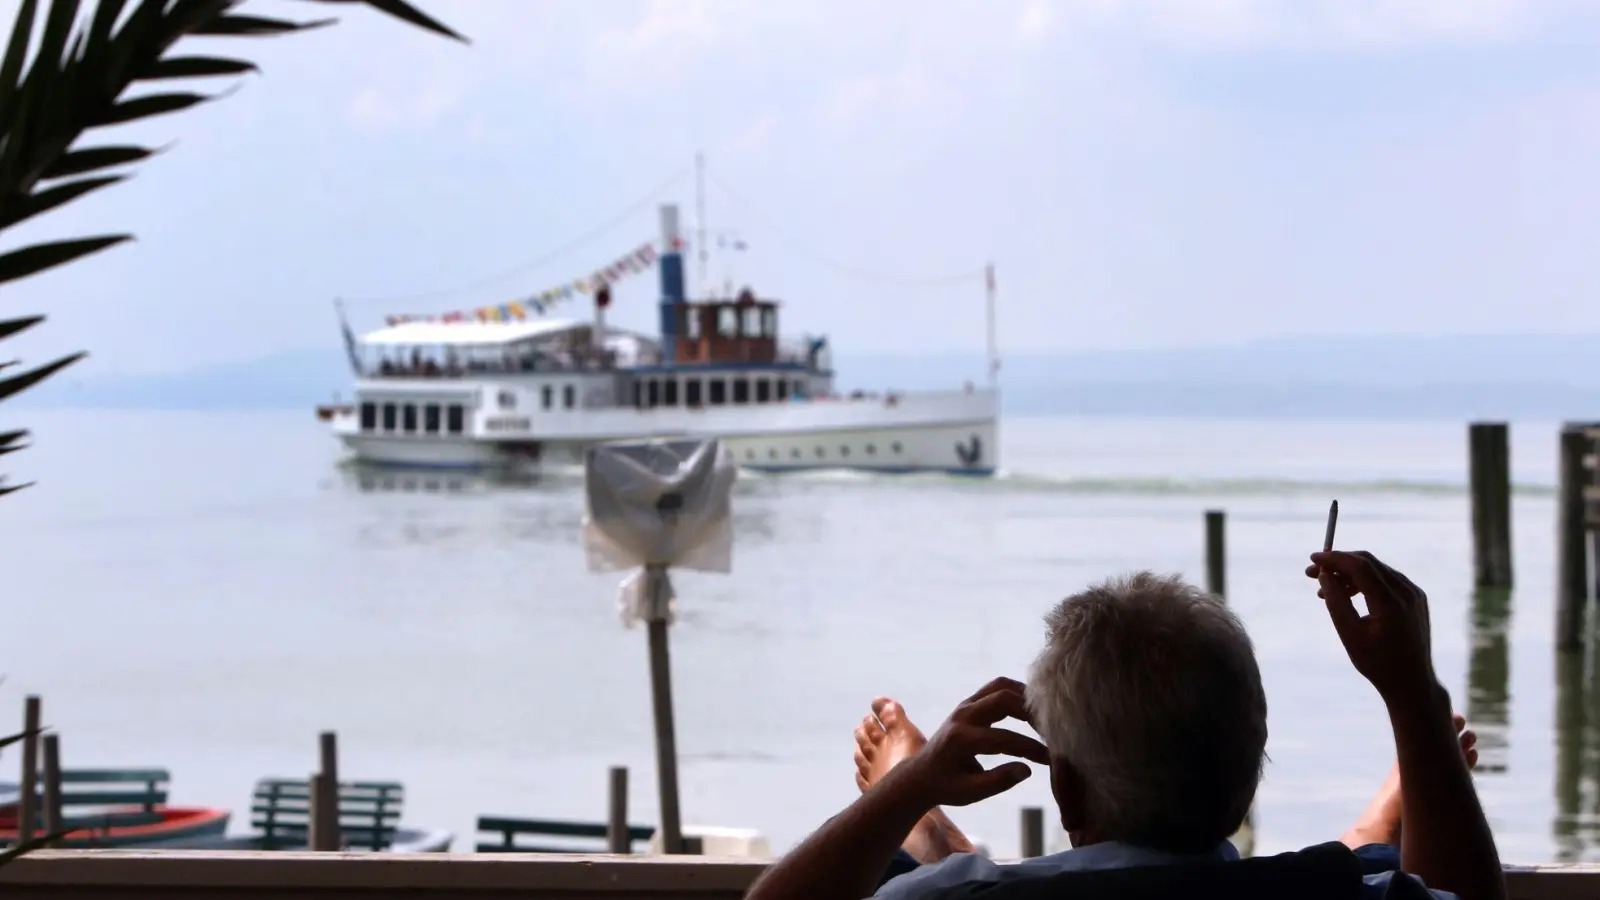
(52, 783)
(1572, 563)
(1032, 832)
(1216, 552)
(1489, 474)
(28, 803)
(324, 791)
(617, 837)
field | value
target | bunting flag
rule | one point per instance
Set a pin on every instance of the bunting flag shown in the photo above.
(521, 309)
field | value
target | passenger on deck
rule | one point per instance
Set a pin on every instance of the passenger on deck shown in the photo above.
(1154, 722)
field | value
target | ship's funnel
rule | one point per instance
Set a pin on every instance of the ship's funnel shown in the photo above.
(671, 264)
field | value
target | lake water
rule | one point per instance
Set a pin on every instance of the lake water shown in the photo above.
(207, 592)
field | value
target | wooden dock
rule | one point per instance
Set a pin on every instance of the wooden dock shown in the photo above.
(145, 875)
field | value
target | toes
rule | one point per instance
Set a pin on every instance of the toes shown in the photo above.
(870, 732)
(861, 782)
(888, 712)
(862, 763)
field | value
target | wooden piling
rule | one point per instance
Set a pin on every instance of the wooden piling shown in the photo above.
(323, 816)
(52, 783)
(1216, 552)
(617, 839)
(1489, 468)
(1032, 832)
(28, 803)
(325, 795)
(1572, 563)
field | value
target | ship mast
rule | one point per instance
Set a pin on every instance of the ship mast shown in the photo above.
(994, 349)
(701, 252)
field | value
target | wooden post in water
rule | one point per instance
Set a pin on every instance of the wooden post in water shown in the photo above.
(1572, 563)
(325, 795)
(28, 803)
(1032, 832)
(1489, 468)
(1217, 584)
(661, 705)
(52, 783)
(617, 838)
(1216, 552)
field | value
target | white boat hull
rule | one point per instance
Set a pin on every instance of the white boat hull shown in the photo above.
(930, 448)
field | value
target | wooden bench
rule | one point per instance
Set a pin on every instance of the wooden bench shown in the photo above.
(369, 813)
(574, 837)
(102, 799)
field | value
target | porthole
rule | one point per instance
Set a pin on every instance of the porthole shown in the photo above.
(895, 447)
(844, 451)
(872, 449)
(507, 400)
(772, 453)
(794, 452)
(749, 454)
(819, 452)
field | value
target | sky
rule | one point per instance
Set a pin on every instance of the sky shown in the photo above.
(1142, 173)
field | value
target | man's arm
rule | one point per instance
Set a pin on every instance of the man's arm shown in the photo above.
(1446, 840)
(846, 858)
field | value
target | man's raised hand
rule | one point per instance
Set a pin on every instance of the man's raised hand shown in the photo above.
(1391, 644)
(947, 772)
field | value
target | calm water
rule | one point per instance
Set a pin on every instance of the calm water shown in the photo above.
(207, 592)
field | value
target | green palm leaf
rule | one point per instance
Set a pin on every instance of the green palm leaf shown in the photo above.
(74, 78)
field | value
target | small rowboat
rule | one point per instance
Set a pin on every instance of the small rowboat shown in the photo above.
(115, 808)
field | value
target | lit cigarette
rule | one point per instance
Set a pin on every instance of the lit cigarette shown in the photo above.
(1333, 520)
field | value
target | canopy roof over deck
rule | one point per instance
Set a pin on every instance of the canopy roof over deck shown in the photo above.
(476, 334)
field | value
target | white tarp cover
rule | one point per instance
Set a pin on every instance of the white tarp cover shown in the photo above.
(658, 504)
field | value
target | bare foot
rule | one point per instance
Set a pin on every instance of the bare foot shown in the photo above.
(884, 740)
(1380, 823)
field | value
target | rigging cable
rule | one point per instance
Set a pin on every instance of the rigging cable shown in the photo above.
(542, 260)
(953, 278)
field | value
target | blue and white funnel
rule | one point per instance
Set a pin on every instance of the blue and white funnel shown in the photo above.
(671, 265)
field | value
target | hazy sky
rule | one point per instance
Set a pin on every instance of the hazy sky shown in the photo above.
(1162, 172)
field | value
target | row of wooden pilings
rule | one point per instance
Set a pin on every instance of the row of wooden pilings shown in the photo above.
(1577, 519)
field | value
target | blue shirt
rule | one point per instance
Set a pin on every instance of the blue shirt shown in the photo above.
(963, 867)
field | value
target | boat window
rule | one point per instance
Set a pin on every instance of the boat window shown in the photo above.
(820, 451)
(638, 394)
(741, 390)
(691, 323)
(752, 321)
(719, 391)
(669, 392)
(800, 389)
(547, 396)
(783, 388)
(653, 393)
(895, 447)
(369, 416)
(844, 451)
(388, 417)
(772, 453)
(727, 321)
(794, 452)
(872, 449)
(430, 418)
(749, 454)
(763, 390)
(691, 392)
(455, 418)
(769, 323)
(569, 396)
(409, 417)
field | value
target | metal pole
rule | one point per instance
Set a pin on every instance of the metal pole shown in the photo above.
(661, 701)
(700, 216)
(994, 348)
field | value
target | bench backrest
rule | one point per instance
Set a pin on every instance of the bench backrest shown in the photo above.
(369, 812)
(101, 799)
(571, 837)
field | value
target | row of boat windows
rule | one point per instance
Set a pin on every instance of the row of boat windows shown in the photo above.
(412, 418)
(648, 392)
(822, 452)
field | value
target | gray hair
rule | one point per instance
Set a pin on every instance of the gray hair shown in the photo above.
(1148, 687)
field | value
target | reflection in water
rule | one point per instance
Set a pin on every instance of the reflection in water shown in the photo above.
(1577, 822)
(373, 480)
(1489, 678)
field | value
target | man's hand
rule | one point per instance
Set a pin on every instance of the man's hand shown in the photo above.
(1391, 644)
(947, 772)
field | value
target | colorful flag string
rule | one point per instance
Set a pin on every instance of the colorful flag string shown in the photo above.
(640, 260)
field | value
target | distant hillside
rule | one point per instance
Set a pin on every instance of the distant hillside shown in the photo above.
(1453, 377)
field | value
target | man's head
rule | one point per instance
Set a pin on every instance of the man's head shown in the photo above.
(1148, 696)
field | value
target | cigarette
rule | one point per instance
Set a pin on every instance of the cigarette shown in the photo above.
(1333, 520)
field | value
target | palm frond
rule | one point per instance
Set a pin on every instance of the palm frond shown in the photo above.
(64, 77)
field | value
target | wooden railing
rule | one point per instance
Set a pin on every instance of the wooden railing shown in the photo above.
(141, 875)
